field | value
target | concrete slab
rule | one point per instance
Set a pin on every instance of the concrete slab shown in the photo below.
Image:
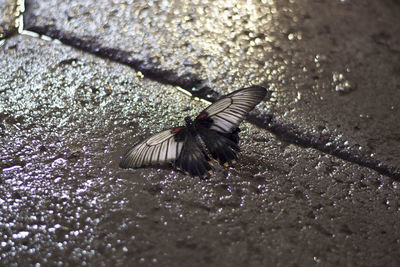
(66, 118)
(9, 13)
(332, 66)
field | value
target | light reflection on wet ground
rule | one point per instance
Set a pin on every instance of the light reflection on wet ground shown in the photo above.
(9, 13)
(69, 198)
(301, 50)
(67, 117)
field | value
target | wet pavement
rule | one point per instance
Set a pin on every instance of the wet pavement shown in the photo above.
(9, 13)
(322, 66)
(321, 186)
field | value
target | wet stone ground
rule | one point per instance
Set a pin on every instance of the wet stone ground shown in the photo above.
(320, 187)
(9, 13)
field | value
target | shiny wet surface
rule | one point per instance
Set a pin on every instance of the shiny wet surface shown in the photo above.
(68, 116)
(331, 65)
(9, 13)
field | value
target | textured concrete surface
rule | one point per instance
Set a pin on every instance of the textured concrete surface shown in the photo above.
(9, 13)
(67, 115)
(333, 65)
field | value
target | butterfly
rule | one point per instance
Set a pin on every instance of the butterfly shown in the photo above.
(212, 135)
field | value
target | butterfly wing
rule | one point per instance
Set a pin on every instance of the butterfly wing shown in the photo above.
(193, 159)
(218, 124)
(157, 149)
(229, 111)
(177, 146)
(222, 147)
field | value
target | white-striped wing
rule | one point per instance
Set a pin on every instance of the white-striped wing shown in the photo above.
(157, 149)
(229, 111)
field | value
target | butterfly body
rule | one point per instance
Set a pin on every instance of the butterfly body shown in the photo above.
(212, 135)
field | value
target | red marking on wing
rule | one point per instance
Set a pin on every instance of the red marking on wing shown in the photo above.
(202, 115)
(175, 130)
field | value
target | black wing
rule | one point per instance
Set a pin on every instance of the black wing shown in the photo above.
(218, 124)
(229, 111)
(222, 147)
(193, 159)
(157, 149)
